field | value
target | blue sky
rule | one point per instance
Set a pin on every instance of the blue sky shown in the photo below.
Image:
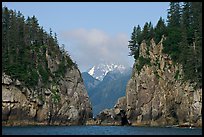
(93, 32)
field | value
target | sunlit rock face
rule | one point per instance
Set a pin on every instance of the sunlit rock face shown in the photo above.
(156, 94)
(64, 104)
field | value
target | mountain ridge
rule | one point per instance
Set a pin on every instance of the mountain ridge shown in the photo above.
(104, 94)
(99, 71)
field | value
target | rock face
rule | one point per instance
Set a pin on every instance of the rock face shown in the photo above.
(64, 104)
(114, 116)
(157, 96)
(41, 85)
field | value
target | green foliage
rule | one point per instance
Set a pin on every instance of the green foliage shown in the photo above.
(69, 62)
(24, 47)
(55, 95)
(44, 74)
(160, 30)
(171, 44)
(61, 70)
(134, 43)
(141, 62)
(174, 14)
(184, 42)
(15, 70)
(147, 33)
(183, 38)
(31, 78)
(176, 75)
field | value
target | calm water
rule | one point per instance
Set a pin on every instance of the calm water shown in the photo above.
(98, 130)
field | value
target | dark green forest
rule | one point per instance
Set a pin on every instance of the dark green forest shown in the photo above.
(24, 48)
(183, 32)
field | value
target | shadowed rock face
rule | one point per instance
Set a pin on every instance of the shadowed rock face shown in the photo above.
(157, 96)
(124, 120)
(64, 104)
(112, 117)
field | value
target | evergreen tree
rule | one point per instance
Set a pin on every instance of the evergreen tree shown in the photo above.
(171, 45)
(145, 31)
(133, 44)
(174, 14)
(151, 33)
(183, 34)
(160, 30)
(55, 38)
(5, 39)
(196, 9)
(139, 35)
(24, 46)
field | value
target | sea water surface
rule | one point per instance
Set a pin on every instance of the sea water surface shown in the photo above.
(98, 130)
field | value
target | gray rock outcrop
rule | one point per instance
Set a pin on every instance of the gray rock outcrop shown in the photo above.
(156, 95)
(64, 104)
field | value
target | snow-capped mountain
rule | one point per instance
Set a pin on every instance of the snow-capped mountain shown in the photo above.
(105, 93)
(100, 71)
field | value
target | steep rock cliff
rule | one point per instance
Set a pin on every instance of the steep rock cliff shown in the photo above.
(65, 103)
(40, 82)
(156, 95)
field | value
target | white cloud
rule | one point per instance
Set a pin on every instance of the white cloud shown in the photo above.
(90, 47)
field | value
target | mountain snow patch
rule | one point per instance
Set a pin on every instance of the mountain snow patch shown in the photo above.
(100, 71)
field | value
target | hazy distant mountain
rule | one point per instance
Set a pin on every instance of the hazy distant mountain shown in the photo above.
(104, 94)
(89, 81)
